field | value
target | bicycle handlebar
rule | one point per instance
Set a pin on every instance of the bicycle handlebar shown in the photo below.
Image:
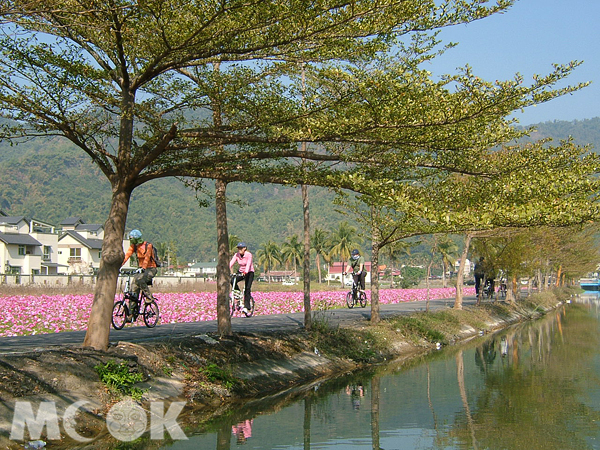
(127, 271)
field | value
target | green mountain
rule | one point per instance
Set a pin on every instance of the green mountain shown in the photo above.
(50, 180)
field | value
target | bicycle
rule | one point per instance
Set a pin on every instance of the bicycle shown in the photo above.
(486, 291)
(355, 296)
(236, 297)
(121, 314)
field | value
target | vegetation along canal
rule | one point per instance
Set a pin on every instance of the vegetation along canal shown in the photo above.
(534, 385)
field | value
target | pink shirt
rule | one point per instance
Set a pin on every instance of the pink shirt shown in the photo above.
(245, 262)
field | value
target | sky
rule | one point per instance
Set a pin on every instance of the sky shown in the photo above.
(528, 39)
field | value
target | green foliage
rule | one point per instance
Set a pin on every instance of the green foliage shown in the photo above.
(216, 374)
(411, 276)
(120, 378)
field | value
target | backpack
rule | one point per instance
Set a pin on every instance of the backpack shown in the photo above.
(154, 255)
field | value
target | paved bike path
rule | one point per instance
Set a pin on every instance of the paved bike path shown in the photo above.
(273, 322)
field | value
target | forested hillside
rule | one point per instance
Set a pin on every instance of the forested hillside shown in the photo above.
(49, 180)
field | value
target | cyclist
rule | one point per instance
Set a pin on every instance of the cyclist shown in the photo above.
(356, 264)
(245, 272)
(146, 265)
(479, 273)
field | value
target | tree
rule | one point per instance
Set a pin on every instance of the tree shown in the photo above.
(394, 253)
(269, 255)
(234, 240)
(507, 187)
(343, 240)
(292, 252)
(211, 91)
(320, 244)
(448, 249)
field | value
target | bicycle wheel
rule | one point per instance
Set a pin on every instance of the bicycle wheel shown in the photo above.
(349, 300)
(119, 315)
(362, 298)
(251, 310)
(151, 314)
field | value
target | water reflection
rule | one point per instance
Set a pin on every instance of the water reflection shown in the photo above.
(536, 385)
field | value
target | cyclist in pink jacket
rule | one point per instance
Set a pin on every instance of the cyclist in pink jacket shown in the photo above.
(245, 271)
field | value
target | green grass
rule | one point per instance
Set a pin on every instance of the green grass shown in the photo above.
(118, 377)
(215, 374)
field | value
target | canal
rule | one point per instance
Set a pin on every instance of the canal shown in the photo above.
(533, 386)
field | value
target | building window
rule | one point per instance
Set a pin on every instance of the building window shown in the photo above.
(21, 250)
(47, 250)
(75, 253)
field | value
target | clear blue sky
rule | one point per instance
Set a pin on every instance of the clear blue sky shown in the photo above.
(529, 38)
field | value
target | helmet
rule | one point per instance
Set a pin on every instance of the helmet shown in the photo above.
(242, 245)
(135, 234)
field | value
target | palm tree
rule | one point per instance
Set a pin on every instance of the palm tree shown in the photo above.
(268, 256)
(448, 249)
(233, 242)
(394, 252)
(343, 240)
(292, 251)
(320, 244)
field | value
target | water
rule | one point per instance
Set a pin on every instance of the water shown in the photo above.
(534, 386)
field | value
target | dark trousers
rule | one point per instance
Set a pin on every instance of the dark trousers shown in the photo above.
(360, 279)
(248, 279)
(478, 279)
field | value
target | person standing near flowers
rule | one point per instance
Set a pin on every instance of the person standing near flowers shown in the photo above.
(245, 272)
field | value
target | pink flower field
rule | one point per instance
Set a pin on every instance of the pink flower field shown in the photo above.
(38, 314)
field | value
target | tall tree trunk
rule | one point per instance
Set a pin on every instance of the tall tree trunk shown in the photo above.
(558, 276)
(306, 262)
(223, 314)
(318, 263)
(98, 329)
(461, 273)
(427, 281)
(223, 256)
(305, 208)
(444, 282)
(375, 317)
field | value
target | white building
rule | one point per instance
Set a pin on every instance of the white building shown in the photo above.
(31, 247)
(80, 246)
(27, 246)
(202, 269)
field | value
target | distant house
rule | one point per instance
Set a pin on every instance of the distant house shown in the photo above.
(27, 246)
(80, 246)
(202, 269)
(278, 276)
(468, 266)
